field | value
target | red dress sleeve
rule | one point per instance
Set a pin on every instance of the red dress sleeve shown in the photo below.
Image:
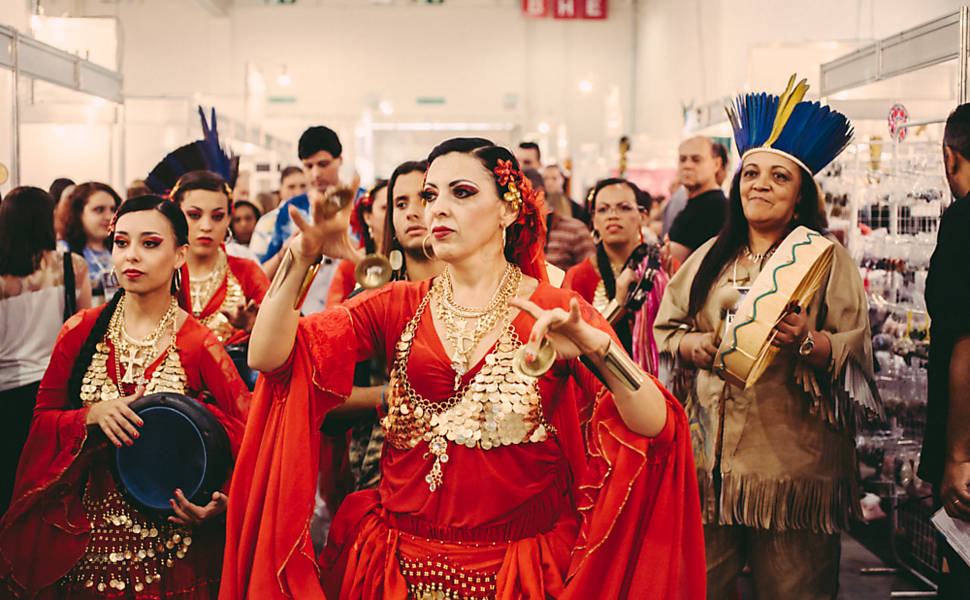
(50, 459)
(269, 553)
(582, 279)
(342, 284)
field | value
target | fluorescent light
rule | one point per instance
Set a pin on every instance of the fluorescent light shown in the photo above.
(386, 107)
(586, 86)
(284, 80)
(543, 127)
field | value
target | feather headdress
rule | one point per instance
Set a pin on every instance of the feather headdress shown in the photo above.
(810, 134)
(201, 155)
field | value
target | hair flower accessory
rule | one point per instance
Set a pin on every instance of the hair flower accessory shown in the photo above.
(508, 176)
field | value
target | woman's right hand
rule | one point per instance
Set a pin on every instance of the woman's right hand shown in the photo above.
(328, 232)
(699, 349)
(118, 422)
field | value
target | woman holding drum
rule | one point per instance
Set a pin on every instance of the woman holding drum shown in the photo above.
(775, 460)
(488, 487)
(72, 532)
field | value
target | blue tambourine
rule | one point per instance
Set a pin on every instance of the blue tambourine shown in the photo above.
(181, 446)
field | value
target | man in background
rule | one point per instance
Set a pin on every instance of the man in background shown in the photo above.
(945, 459)
(528, 156)
(700, 159)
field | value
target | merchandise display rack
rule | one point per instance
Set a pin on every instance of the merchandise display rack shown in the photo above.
(886, 195)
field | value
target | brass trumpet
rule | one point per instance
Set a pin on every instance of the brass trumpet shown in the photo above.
(373, 271)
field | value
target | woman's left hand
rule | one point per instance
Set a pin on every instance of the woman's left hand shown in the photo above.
(569, 334)
(187, 513)
(243, 316)
(792, 329)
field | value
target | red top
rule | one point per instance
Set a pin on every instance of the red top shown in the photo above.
(252, 280)
(627, 507)
(45, 531)
(342, 284)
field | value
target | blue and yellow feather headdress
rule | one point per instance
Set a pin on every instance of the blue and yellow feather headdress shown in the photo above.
(810, 134)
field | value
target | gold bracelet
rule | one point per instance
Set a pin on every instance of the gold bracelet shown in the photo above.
(620, 364)
(283, 271)
(311, 274)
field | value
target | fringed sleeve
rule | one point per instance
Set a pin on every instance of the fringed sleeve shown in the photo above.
(846, 384)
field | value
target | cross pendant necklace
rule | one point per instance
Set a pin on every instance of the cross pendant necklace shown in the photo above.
(132, 360)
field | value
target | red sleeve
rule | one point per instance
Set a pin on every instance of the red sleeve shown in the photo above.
(269, 553)
(342, 284)
(582, 278)
(251, 277)
(57, 431)
(230, 395)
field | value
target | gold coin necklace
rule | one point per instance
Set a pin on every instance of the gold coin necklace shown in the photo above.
(137, 354)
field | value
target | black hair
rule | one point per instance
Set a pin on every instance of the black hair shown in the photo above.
(956, 133)
(26, 230)
(316, 139)
(290, 170)
(180, 227)
(719, 150)
(734, 234)
(247, 203)
(74, 233)
(201, 180)
(534, 176)
(390, 241)
(643, 199)
(532, 146)
(370, 244)
(58, 186)
(488, 154)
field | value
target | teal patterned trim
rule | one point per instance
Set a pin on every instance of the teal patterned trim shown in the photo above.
(754, 312)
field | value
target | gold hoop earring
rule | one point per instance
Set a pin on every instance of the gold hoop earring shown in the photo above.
(424, 247)
(177, 280)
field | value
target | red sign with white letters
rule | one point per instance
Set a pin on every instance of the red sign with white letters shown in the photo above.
(566, 9)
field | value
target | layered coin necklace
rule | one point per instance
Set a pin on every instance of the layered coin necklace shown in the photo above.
(203, 288)
(497, 407)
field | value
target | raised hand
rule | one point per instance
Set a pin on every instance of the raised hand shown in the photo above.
(331, 219)
(116, 419)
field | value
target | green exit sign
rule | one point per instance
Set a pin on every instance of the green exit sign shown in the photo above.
(430, 100)
(281, 99)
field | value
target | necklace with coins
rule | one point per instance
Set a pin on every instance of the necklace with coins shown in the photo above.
(465, 327)
(203, 288)
(128, 550)
(497, 407)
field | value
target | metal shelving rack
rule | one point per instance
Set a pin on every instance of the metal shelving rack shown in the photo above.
(913, 541)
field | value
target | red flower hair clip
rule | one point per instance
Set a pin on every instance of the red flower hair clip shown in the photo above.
(510, 177)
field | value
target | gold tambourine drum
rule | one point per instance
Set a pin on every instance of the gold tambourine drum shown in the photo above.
(792, 275)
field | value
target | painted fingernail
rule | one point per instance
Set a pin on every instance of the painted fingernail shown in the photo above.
(530, 356)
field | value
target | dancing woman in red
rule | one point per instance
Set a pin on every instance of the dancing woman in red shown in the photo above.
(70, 533)
(489, 488)
(223, 292)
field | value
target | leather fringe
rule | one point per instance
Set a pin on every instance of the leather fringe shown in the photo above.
(850, 398)
(819, 505)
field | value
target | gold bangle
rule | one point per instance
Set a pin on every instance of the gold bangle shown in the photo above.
(621, 365)
(612, 311)
(311, 274)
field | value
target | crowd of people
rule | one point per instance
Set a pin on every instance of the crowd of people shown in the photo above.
(530, 404)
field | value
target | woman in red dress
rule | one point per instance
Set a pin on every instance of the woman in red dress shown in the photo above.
(491, 487)
(70, 533)
(619, 208)
(223, 292)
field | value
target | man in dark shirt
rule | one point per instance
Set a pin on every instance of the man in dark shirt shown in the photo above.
(945, 459)
(698, 164)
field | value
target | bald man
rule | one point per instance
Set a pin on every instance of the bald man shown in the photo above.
(699, 162)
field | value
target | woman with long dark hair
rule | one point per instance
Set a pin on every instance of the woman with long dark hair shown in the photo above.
(222, 291)
(775, 460)
(619, 211)
(88, 212)
(70, 533)
(488, 488)
(39, 288)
